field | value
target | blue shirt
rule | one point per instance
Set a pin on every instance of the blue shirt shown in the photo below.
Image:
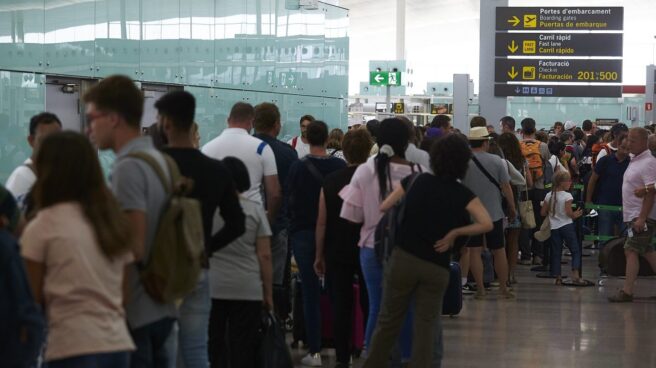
(285, 156)
(609, 185)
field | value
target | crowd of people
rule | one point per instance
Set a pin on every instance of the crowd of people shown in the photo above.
(80, 252)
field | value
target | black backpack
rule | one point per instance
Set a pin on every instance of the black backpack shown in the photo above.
(386, 234)
(26, 326)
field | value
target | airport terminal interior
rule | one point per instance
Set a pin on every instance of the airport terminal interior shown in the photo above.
(576, 79)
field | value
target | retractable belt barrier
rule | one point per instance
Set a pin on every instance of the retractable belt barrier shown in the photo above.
(601, 207)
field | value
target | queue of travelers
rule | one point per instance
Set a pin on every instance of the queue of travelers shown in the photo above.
(175, 257)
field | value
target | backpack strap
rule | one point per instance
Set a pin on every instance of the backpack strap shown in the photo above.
(30, 165)
(294, 142)
(486, 173)
(261, 148)
(313, 169)
(172, 185)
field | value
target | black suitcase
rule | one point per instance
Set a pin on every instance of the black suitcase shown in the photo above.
(452, 302)
(613, 261)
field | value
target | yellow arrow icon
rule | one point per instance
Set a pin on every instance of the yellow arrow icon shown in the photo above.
(512, 73)
(513, 47)
(514, 21)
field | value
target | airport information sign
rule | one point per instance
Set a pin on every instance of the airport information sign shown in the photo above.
(560, 18)
(553, 90)
(558, 70)
(558, 44)
(385, 78)
(546, 45)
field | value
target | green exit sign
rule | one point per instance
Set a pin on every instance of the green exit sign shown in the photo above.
(385, 78)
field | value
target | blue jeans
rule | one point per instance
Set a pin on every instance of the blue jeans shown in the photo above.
(304, 250)
(152, 350)
(372, 271)
(120, 359)
(607, 221)
(566, 234)
(194, 323)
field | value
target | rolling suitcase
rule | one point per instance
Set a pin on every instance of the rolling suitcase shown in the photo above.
(452, 302)
(612, 259)
(357, 336)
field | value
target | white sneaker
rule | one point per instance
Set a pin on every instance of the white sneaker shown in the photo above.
(312, 360)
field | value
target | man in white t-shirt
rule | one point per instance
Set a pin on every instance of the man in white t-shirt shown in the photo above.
(300, 143)
(256, 154)
(22, 178)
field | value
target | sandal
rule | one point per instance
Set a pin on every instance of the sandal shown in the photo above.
(559, 281)
(579, 283)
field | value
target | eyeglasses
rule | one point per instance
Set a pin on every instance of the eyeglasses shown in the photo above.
(92, 117)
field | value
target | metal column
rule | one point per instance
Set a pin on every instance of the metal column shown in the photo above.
(492, 108)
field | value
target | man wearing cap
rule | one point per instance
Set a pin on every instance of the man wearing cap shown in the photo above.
(570, 125)
(354, 122)
(488, 178)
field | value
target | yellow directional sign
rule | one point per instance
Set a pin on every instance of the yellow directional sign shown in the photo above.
(530, 20)
(529, 46)
(512, 73)
(513, 47)
(514, 21)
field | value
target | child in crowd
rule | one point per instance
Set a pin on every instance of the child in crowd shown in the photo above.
(558, 205)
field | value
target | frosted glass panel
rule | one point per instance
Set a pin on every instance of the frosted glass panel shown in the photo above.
(21, 35)
(22, 95)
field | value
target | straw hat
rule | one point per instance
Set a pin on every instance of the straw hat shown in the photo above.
(478, 134)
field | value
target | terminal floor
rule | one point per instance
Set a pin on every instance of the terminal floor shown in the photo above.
(549, 326)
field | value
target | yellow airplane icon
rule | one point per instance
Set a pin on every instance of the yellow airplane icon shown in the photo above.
(530, 20)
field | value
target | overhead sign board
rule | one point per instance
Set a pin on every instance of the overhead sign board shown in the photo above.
(558, 44)
(553, 90)
(558, 70)
(546, 45)
(385, 78)
(560, 18)
(398, 107)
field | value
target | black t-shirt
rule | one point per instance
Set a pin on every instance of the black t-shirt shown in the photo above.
(304, 189)
(434, 206)
(213, 187)
(342, 236)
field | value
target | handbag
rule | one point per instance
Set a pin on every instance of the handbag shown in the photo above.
(545, 230)
(526, 214)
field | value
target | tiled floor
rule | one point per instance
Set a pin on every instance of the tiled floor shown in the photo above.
(550, 326)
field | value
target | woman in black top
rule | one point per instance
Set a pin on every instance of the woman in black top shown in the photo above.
(337, 242)
(437, 212)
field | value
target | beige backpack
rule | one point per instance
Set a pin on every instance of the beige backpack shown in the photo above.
(172, 268)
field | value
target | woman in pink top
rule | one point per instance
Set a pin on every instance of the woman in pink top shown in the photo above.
(75, 250)
(371, 183)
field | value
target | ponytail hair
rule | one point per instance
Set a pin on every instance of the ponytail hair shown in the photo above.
(393, 137)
